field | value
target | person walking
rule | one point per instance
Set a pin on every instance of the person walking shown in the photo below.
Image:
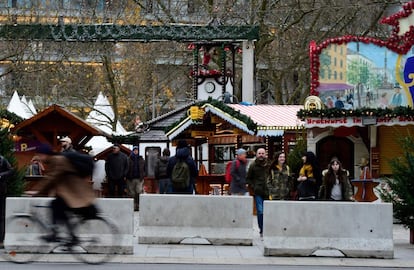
(279, 181)
(238, 171)
(257, 176)
(160, 172)
(5, 173)
(335, 184)
(310, 177)
(182, 170)
(135, 177)
(116, 169)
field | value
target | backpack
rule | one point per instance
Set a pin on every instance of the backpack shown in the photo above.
(83, 163)
(227, 176)
(180, 176)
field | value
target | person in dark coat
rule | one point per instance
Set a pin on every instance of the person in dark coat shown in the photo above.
(116, 169)
(160, 172)
(5, 172)
(335, 185)
(135, 177)
(257, 180)
(183, 153)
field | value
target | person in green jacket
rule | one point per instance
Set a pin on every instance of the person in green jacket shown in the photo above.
(257, 175)
(280, 182)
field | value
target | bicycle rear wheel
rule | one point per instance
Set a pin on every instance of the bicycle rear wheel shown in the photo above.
(23, 243)
(97, 240)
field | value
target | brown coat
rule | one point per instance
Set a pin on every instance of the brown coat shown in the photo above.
(61, 179)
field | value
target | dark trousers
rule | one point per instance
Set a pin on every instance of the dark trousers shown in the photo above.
(3, 195)
(116, 187)
(60, 211)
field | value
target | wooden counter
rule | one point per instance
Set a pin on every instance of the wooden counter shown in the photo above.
(204, 182)
(365, 192)
(31, 181)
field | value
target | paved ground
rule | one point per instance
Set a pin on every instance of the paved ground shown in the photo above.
(208, 254)
(196, 252)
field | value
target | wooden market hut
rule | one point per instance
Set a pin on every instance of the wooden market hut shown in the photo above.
(48, 126)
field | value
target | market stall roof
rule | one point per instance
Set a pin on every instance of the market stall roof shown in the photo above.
(271, 120)
(57, 121)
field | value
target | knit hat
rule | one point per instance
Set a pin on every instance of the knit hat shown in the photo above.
(182, 144)
(240, 151)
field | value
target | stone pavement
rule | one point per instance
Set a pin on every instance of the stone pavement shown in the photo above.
(197, 251)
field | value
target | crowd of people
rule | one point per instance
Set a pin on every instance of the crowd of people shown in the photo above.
(272, 179)
(263, 178)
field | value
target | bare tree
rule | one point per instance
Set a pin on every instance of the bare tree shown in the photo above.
(148, 78)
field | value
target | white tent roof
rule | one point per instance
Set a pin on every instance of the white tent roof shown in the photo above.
(102, 115)
(18, 107)
(28, 106)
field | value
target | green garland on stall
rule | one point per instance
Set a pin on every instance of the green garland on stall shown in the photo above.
(12, 117)
(251, 125)
(368, 112)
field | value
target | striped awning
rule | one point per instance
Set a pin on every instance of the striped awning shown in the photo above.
(272, 120)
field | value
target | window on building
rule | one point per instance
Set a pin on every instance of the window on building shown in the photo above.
(5, 3)
(322, 74)
(151, 157)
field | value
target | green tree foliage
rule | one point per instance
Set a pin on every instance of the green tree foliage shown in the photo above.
(295, 156)
(15, 184)
(400, 188)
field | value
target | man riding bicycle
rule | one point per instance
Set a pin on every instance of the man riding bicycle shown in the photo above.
(66, 179)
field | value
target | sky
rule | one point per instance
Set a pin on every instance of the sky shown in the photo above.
(375, 54)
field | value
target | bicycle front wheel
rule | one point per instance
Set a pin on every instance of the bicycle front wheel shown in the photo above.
(23, 243)
(97, 241)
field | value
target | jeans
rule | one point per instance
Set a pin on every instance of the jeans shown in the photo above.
(259, 211)
(165, 186)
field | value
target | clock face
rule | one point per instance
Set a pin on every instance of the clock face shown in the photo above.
(209, 87)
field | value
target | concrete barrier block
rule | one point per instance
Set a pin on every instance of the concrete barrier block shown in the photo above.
(172, 219)
(118, 211)
(293, 228)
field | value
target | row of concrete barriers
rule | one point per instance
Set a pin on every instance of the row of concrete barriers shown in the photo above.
(291, 228)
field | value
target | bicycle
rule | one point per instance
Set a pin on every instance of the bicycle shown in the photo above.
(29, 242)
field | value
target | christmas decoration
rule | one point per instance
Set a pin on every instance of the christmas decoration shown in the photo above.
(398, 42)
(406, 112)
(114, 32)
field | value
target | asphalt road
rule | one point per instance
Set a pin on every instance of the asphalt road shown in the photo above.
(121, 266)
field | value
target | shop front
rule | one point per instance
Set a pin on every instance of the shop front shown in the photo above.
(216, 130)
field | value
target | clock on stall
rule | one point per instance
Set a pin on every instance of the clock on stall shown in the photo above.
(209, 87)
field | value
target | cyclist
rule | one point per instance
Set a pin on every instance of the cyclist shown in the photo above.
(67, 179)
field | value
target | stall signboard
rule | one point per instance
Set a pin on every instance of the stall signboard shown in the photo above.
(352, 72)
